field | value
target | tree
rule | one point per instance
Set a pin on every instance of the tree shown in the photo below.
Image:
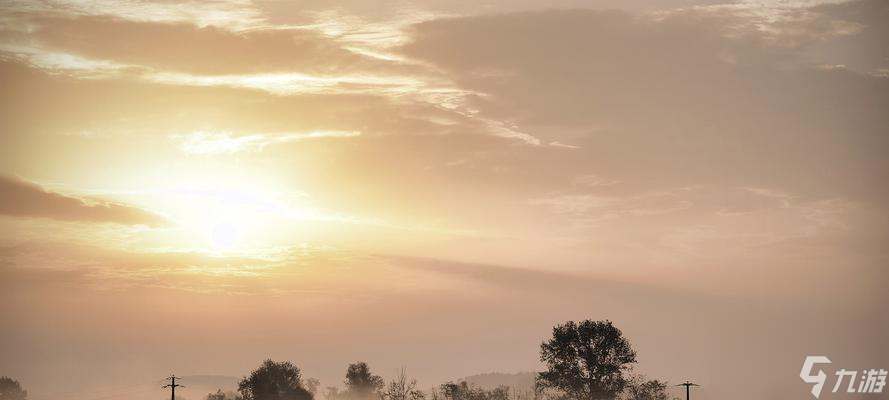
(499, 393)
(10, 389)
(361, 383)
(460, 391)
(312, 385)
(465, 391)
(274, 381)
(641, 388)
(220, 395)
(586, 360)
(400, 389)
(332, 393)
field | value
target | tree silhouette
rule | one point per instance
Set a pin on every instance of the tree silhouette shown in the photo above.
(312, 385)
(400, 388)
(220, 395)
(642, 389)
(11, 390)
(586, 360)
(465, 391)
(461, 391)
(499, 393)
(361, 383)
(274, 381)
(332, 393)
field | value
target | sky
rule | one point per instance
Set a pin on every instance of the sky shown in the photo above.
(193, 187)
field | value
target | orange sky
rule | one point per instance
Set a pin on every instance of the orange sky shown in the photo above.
(193, 187)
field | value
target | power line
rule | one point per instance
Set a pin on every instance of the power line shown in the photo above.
(688, 386)
(172, 385)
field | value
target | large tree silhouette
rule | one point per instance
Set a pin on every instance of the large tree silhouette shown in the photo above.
(586, 360)
(10, 389)
(274, 381)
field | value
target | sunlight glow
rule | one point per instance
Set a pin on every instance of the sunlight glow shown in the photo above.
(232, 219)
(227, 212)
(208, 143)
(224, 235)
(292, 83)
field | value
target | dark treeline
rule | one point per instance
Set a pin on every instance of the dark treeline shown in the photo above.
(10, 389)
(587, 360)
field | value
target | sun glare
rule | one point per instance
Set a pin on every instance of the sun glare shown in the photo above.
(224, 215)
(224, 235)
(231, 213)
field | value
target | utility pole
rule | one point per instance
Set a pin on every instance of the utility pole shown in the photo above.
(688, 386)
(172, 385)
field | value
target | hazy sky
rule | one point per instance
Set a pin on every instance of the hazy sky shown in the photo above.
(194, 187)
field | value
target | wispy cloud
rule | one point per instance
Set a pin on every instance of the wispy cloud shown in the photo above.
(227, 13)
(57, 62)
(211, 143)
(20, 198)
(293, 83)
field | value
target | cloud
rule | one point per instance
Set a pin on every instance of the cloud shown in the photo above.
(121, 106)
(657, 102)
(208, 143)
(295, 83)
(19, 198)
(638, 165)
(186, 48)
(228, 13)
(863, 50)
(693, 96)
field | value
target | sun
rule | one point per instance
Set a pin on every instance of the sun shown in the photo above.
(232, 220)
(230, 213)
(224, 235)
(228, 218)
